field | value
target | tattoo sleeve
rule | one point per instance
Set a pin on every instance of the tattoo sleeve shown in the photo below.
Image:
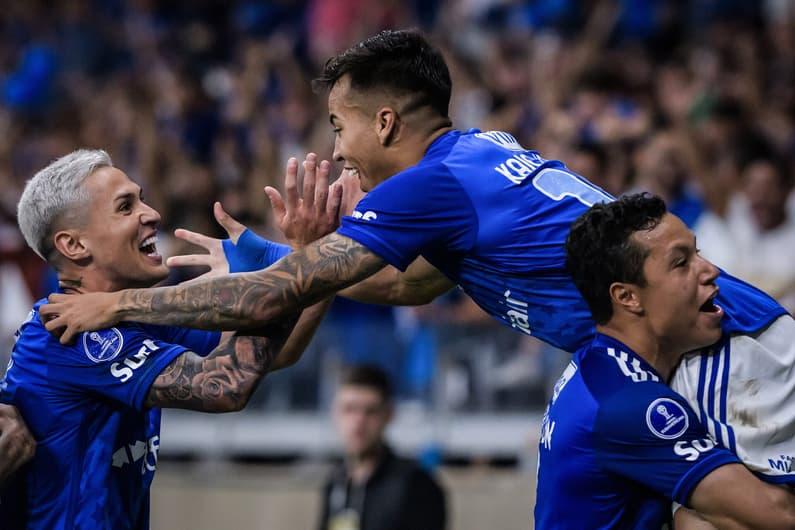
(245, 301)
(224, 380)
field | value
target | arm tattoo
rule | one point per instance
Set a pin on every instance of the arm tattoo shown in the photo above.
(244, 301)
(221, 382)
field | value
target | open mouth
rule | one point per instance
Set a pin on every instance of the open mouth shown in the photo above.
(352, 171)
(149, 246)
(709, 306)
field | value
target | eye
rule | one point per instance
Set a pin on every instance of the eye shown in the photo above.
(337, 130)
(125, 206)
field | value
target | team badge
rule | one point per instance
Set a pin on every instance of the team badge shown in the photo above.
(666, 418)
(103, 345)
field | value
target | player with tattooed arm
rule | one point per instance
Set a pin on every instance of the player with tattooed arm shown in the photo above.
(469, 208)
(93, 406)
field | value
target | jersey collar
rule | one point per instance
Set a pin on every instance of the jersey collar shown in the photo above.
(604, 342)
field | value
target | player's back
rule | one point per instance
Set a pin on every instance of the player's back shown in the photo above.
(494, 217)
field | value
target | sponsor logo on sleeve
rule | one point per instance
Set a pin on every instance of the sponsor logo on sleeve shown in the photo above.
(666, 418)
(103, 345)
(369, 215)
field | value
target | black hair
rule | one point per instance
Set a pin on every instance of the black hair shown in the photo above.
(401, 61)
(370, 376)
(600, 251)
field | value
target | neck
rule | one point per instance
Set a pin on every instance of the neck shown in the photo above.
(662, 356)
(410, 149)
(83, 280)
(361, 466)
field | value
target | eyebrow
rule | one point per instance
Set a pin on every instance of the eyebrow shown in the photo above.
(128, 194)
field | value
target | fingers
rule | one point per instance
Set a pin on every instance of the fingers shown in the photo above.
(206, 242)
(190, 260)
(232, 226)
(321, 190)
(310, 175)
(334, 202)
(291, 184)
(277, 203)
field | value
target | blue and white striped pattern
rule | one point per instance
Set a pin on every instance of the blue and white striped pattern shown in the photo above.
(632, 368)
(713, 384)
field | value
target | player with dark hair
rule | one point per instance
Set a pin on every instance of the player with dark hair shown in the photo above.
(616, 441)
(444, 207)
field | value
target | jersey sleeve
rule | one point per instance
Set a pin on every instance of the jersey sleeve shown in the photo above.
(649, 434)
(417, 210)
(199, 341)
(119, 363)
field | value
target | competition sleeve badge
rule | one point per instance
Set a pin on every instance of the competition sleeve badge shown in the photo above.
(666, 418)
(103, 345)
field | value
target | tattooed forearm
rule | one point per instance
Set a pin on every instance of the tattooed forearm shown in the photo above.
(241, 301)
(221, 382)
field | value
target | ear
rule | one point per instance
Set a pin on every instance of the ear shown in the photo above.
(625, 297)
(387, 125)
(70, 246)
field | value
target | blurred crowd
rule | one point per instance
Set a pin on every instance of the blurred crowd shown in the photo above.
(205, 100)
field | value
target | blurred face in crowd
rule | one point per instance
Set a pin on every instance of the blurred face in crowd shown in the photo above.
(361, 414)
(358, 141)
(120, 234)
(767, 195)
(680, 286)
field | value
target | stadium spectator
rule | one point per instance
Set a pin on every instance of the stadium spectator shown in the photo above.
(373, 489)
(616, 441)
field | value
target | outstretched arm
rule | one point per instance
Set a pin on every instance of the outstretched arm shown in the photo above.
(420, 284)
(239, 301)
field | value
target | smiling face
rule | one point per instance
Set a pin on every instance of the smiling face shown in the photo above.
(356, 141)
(121, 231)
(680, 287)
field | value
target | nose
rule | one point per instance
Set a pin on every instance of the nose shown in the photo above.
(149, 216)
(337, 154)
(710, 273)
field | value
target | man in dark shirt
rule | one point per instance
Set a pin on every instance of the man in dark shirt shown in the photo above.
(373, 489)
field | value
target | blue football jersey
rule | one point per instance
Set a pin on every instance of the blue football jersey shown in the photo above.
(618, 445)
(84, 403)
(493, 217)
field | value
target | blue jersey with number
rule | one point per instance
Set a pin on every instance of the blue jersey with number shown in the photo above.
(84, 403)
(618, 445)
(493, 217)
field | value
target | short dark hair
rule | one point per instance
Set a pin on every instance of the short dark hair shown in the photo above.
(600, 251)
(401, 61)
(370, 376)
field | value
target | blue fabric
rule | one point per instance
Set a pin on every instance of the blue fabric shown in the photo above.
(494, 217)
(252, 252)
(618, 444)
(84, 403)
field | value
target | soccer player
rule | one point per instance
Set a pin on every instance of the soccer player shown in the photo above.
(616, 441)
(94, 406)
(444, 207)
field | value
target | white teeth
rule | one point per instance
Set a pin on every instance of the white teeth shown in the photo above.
(152, 240)
(353, 171)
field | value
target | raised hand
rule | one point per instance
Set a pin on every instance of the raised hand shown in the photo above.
(215, 258)
(315, 213)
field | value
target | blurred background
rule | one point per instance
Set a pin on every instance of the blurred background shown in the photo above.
(206, 100)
